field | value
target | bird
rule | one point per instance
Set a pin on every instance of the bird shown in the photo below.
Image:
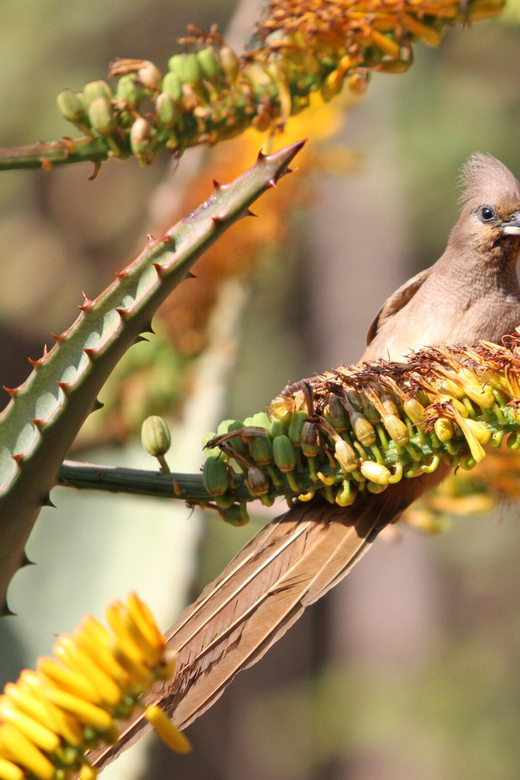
(470, 293)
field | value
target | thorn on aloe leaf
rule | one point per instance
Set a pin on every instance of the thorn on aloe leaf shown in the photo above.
(26, 561)
(67, 387)
(6, 612)
(46, 501)
(87, 303)
(36, 363)
(161, 270)
(11, 390)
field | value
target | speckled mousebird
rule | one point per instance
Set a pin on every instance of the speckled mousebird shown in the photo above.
(470, 293)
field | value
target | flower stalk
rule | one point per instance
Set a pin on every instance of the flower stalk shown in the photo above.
(357, 429)
(209, 93)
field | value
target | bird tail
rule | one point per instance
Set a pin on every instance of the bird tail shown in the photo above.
(288, 565)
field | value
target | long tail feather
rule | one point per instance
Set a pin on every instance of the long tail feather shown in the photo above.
(287, 566)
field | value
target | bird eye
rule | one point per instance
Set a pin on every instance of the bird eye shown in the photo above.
(486, 214)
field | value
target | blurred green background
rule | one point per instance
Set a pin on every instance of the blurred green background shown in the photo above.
(409, 668)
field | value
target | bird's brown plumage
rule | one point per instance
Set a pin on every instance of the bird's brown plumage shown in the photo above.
(471, 293)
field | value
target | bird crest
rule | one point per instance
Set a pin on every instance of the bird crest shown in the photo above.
(487, 181)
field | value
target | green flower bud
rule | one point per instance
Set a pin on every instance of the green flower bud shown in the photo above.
(279, 425)
(236, 442)
(71, 106)
(174, 64)
(208, 64)
(284, 453)
(257, 482)
(295, 428)
(212, 452)
(155, 436)
(101, 116)
(215, 476)
(167, 112)
(375, 472)
(95, 89)
(236, 514)
(262, 450)
(129, 92)
(172, 85)
(189, 69)
(261, 420)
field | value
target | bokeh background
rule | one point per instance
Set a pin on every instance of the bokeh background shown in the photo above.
(409, 668)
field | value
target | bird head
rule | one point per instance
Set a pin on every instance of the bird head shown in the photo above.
(490, 218)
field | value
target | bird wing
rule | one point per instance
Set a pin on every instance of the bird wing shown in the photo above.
(288, 565)
(397, 301)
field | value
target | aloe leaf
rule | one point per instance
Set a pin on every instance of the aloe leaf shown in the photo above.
(47, 410)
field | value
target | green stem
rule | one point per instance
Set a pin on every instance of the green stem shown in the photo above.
(64, 152)
(140, 482)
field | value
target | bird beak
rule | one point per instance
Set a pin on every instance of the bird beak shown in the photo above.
(512, 228)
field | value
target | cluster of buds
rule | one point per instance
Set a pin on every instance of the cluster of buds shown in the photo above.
(300, 47)
(357, 429)
(50, 718)
(197, 101)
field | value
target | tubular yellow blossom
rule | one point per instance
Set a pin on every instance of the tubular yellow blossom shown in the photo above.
(48, 719)
(102, 655)
(68, 680)
(10, 771)
(88, 772)
(169, 733)
(139, 674)
(61, 722)
(443, 429)
(32, 706)
(42, 736)
(116, 620)
(477, 450)
(479, 430)
(143, 619)
(428, 34)
(67, 650)
(17, 748)
(86, 712)
(375, 472)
